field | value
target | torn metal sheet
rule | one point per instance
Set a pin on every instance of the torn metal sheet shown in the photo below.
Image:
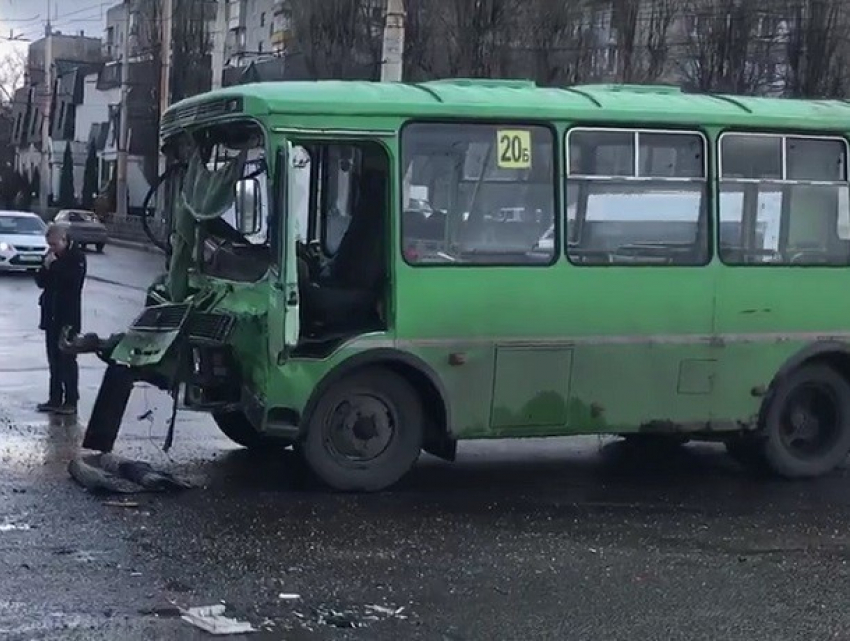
(211, 619)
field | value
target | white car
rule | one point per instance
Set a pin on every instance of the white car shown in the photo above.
(22, 243)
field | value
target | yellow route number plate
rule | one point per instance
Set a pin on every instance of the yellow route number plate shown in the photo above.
(514, 147)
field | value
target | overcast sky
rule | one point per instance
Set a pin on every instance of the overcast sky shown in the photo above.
(27, 17)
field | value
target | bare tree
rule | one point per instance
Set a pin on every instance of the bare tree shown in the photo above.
(641, 30)
(13, 66)
(479, 35)
(561, 40)
(729, 46)
(817, 50)
(421, 41)
(339, 38)
(191, 46)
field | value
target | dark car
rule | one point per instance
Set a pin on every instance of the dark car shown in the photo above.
(84, 228)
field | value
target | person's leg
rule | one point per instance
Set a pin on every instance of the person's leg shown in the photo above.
(70, 378)
(55, 399)
(72, 381)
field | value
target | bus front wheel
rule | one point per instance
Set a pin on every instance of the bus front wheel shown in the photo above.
(807, 425)
(239, 429)
(365, 433)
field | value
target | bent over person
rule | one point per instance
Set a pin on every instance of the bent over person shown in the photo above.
(61, 278)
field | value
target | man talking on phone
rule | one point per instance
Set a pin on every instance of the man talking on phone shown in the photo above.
(61, 278)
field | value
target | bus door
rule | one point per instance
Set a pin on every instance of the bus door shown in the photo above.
(284, 303)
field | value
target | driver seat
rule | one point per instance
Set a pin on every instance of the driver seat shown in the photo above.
(346, 293)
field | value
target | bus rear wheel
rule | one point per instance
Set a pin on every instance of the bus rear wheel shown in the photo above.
(807, 425)
(365, 433)
(239, 429)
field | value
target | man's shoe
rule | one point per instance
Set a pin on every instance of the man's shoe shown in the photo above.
(67, 409)
(48, 407)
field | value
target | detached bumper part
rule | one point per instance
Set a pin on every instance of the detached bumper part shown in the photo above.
(109, 407)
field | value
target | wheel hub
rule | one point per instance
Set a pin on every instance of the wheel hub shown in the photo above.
(361, 428)
(812, 421)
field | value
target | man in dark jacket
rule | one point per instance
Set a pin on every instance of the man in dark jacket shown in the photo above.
(61, 277)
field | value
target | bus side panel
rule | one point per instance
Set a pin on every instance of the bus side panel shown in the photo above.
(572, 350)
(765, 315)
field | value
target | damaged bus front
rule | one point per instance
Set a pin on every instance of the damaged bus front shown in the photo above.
(204, 334)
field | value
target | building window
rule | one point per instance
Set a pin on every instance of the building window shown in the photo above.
(260, 47)
(637, 197)
(263, 19)
(478, 194)
(784, 200)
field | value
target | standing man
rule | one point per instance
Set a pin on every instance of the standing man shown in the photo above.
(61, 277)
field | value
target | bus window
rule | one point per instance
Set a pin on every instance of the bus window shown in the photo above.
(478, 194)
(636, 198)
(785, 200)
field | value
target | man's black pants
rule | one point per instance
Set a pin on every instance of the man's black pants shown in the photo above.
(64, 373)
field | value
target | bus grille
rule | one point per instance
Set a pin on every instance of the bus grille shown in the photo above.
(162, 318)
(207, 326)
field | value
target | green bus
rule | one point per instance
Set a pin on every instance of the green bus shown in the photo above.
(364, 271)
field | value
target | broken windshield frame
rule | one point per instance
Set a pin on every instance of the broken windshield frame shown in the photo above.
(222, 162)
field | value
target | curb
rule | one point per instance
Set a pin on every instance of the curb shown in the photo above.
(131, 244)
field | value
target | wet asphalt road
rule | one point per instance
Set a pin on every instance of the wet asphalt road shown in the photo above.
(566, 539)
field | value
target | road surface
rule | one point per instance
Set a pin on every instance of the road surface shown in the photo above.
(564, 539)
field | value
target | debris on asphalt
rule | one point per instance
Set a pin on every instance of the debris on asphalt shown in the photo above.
(288, 597)
(164, 612)
(211, 619)
(14, 527)
(110, 474)
(338, 618)
(387, 612)
(351, 617)
(125, 504)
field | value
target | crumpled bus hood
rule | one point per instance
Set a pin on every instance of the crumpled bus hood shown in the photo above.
(151, 335)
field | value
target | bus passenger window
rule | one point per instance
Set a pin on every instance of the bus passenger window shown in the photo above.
(478, 194)
(636, 197)
(784, 200)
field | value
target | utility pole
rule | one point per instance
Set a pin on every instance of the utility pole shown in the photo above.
(124, 121)
(46, 181)
(165, 71)
(393, 53)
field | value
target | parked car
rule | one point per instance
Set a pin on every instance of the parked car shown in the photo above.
(22, 243)
(84, 228)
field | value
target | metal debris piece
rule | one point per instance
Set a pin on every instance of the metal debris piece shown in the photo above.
(14, 527)
(211, 619)
(127, 504)
(390, 612)
(288, 597)
(338, 619)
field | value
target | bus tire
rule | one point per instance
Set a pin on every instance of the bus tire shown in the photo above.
(807, 423)
(239, 429)
(365, 433)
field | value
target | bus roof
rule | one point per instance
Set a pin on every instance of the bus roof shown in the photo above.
(520, 99)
